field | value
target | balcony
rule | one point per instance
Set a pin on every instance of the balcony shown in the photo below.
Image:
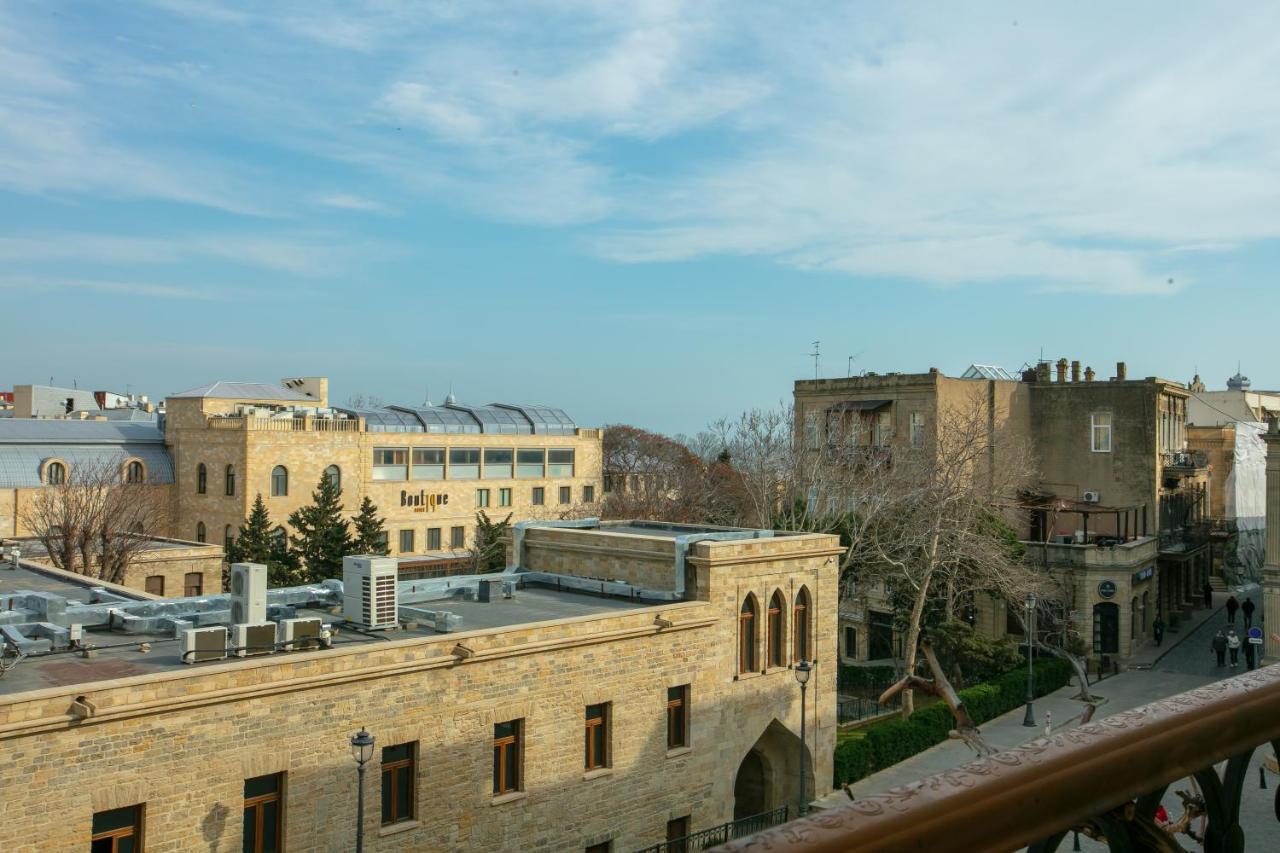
(1104, 779)
(1096, 552)
(1183, 462)
(291, 424)
(708, 838)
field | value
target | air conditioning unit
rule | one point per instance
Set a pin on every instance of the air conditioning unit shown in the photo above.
(257, 639)
(201, 644)
(1091, 497)
(248, 593)
(295, 634)
(369, 591)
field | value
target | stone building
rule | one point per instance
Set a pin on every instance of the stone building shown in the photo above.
(631, 683)
(427, 468)
(1113, 476)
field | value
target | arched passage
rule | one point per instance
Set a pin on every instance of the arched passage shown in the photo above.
(769, 774)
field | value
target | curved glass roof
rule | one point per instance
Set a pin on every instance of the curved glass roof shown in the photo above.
(545, 419)
(440, 419)
(497, 420)
(456, 418)
(385, 420)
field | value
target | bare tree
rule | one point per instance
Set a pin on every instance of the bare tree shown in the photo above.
(651, 476)
(365, 401)
(95, 522)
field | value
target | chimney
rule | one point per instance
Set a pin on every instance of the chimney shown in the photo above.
(1088, 374)
(1062, 370)
(1042, 372)
(1120, 371)
(1075, 371)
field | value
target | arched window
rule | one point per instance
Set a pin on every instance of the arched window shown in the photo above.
(55, 473)
(776, 655)
(279, 481)
(228, 537)
(134, 472)
(202, 479)
(200, 531)
(747, 635)
(231, 479)
(800, 626)
(334, 473)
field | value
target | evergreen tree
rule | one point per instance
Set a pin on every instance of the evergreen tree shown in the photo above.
(370, 535)
(488, 552)
(257, 542)
(321, 535)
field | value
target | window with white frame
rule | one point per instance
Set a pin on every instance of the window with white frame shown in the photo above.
(1100, 432)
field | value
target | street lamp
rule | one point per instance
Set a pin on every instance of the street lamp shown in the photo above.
(802, 670)
(1030, 718)
(362, 752)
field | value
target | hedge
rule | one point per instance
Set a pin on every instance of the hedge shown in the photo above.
(886, 743)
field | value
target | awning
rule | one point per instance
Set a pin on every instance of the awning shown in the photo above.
(858, 405)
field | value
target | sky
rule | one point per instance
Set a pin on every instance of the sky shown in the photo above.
(641, 212)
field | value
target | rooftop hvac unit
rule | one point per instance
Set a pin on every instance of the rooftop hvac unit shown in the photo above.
(1091, 497)
(369, 591)
(248, 593)
(201, 644)
(259, 639)
(294, 634)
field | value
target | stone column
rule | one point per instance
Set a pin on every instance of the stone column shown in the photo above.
(1271, 566)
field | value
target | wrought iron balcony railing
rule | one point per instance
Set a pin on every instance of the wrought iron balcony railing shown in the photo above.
(707, 838)
(1105, 779)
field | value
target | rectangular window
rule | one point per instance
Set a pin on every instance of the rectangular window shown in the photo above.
(433, 538)
(588, 494)
(850, 641)
(458, 537)
(917, 429)
(531, 462)
(566, 494)
(192, 584)
(398, 782)
(390, 463)
(539, 496)
(155, 584)
(464, 463)
(677, 716)
(118, 831)
(497, 464)
(406, 541)
(560, 462)
(811, 437)
(263, 813)
(482, 497)
(504, 497)
(1100, 432)
(428, 463)
(597, 736)
(884, 427)
(506, 756)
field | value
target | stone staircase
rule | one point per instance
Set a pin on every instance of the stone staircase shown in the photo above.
(1218, 584)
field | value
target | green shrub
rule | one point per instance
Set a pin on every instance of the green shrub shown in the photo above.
(884, 744)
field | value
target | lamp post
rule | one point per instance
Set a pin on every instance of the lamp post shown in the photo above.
(802, 670)
(361, 751)
(1030, 719)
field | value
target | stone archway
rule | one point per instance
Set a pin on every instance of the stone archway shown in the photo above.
(768, 776)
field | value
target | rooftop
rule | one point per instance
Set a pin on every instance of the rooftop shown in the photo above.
(25, 445)
(233, 390)
(458, 418)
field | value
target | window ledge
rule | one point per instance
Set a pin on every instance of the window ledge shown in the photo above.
(743, 676)
(398, 827)
(597, 773)
(679, 751)
(500, 799)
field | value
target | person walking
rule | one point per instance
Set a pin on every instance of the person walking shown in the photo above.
(1232, 607)
(1219, 646)
(1208, 594)
(1247, 609)
(1249, 655)
(1233, 647)
(1157, 628)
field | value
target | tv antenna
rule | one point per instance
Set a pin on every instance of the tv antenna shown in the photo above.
(816, 354)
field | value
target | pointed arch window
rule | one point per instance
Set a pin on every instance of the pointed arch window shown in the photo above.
(800, 626)
(747, 635)
(202, 479)
(777, 651)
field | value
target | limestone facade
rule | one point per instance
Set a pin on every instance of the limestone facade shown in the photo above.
(182, 743)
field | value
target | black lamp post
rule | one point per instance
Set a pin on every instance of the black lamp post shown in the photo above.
(1030, 719)
(802, 670)
(362, 752)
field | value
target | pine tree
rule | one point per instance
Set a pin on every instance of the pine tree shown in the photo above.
(370, 534)
(257, 542)
(321, 535)
(488, 551)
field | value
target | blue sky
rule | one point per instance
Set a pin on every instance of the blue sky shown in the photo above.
(642, 212)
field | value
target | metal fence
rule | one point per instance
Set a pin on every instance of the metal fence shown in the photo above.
(850, 709)
(707, 838)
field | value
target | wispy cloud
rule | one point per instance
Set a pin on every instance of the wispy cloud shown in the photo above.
(121, 288)
(346, 201)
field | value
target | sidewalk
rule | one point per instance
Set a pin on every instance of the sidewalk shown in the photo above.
(1147, 656)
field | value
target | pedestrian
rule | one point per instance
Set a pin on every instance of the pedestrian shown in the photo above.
(1233, 646)
(1219, 646)
(1249, 655)
(1247, 609)
(1157, 628)
(1232, 607)
(1208, 594)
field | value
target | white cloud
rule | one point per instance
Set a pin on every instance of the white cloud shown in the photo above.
(119, 288)
(346, 201)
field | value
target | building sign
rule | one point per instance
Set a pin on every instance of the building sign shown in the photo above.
(1139, 577)
(1107, 589)
(423, 502)
(1255, 636)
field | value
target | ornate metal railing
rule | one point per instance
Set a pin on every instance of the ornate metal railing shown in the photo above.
(1105, 779)
(707, 838)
